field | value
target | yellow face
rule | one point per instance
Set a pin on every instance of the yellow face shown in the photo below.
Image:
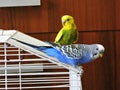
(67, 19)
(101, 54)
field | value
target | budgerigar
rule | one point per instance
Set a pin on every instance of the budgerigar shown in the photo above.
(68, 34)
(74, 55)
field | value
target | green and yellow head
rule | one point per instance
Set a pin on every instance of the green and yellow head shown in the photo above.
(66, 19)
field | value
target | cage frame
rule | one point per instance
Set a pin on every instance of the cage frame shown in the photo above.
(6, 38)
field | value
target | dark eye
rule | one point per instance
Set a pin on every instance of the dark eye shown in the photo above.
(97, 49)
(68, 19)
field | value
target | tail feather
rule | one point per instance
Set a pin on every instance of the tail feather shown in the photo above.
(34, 46)
(31, 45)
(40, 48)
(53, 44)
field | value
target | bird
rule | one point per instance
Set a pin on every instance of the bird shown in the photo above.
(74, 54)
(68, 34)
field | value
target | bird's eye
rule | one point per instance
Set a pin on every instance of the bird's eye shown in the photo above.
(68, 19)
(97, 49)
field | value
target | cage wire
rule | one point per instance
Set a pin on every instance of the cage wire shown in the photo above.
(21, 69)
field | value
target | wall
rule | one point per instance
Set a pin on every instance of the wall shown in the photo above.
(97, 21)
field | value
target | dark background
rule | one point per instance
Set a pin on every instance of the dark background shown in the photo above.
(98, 21)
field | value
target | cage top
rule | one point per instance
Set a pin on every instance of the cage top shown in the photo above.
(6, 34)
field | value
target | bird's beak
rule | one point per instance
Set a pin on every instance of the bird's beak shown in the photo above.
(101, 54)
(63, 22)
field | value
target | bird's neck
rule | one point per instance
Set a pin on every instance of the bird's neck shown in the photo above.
(70, 26)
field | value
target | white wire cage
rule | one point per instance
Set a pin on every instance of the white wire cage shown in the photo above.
(24, 68)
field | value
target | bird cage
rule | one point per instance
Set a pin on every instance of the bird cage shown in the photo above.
(25, 68)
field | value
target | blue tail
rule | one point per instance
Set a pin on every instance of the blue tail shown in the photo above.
(53, 52)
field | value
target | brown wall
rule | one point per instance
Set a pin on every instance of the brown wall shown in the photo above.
(97, 21)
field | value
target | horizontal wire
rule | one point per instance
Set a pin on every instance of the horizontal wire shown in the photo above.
(34, 83)
(9, 51)
(24, 60)
(8, 47)
(46, 80)
(16, 50)
(35, 78)
(34, 74)
(32, 68)
(38, 87)
(16, 54)
(28, 67)
(62, 77)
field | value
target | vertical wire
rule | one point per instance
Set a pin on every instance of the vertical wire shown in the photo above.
(5, 61)
(75, 82)
(20, 80)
